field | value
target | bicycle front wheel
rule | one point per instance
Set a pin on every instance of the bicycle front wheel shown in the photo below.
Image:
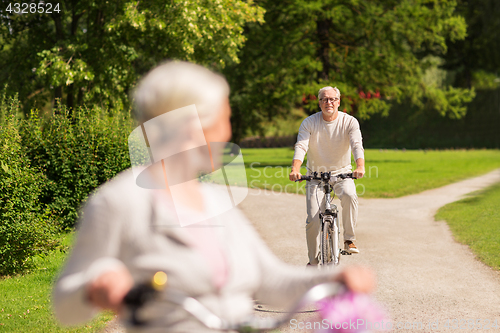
(336, 246)
(327, 249)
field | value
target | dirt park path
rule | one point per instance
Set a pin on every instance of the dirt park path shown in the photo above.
(424, 276)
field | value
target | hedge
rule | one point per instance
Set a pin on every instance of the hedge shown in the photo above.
(26, 228)
(77, 154)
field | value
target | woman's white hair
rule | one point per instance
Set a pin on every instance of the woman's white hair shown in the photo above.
(322, 91)
(176, 84)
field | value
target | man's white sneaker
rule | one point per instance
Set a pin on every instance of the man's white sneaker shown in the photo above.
(350, 247)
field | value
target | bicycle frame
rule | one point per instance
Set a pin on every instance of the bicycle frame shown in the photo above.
(330, 216)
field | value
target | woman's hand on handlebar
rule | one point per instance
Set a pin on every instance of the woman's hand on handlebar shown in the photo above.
(358, 279)
(108, 290)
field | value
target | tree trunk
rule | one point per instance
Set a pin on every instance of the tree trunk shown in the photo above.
(237, 128)
(80, 96)
(70, 99)
(323, 27)
(57, 99)
(59, 26)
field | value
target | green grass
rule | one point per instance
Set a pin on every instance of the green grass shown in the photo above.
(389, 173)
(25, 304)
(475, 221)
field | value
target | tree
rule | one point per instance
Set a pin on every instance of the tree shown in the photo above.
(475, 60)
(94, 51)
(376, 52)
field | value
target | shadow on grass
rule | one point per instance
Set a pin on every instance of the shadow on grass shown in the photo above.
(262, 165)
(389, 161)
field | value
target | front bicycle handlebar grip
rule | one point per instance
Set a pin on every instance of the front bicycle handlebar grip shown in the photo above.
(143, 293)
(346, 175)
(303, 178)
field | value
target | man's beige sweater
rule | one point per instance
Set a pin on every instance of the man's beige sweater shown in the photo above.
(328, 144)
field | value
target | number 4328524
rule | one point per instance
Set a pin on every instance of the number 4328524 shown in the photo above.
(32, 8)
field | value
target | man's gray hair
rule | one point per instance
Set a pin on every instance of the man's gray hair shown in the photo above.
(176, 84)
(322, 91)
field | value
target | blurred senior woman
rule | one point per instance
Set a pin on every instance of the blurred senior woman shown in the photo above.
(161, 218)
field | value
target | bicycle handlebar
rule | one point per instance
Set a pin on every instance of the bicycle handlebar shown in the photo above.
(141, 294)
(326, 176)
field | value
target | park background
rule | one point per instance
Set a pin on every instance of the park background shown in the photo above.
(422, 77)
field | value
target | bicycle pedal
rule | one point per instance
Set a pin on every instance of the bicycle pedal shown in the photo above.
(345, 253)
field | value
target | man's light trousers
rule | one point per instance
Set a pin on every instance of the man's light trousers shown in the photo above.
(346, 192)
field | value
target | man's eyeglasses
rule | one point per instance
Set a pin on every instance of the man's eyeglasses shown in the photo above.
(328, 100)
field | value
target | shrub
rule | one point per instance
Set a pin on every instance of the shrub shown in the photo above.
(25, 229)
(77, 153)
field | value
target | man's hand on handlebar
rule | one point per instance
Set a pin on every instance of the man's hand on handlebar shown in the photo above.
(359, 172)
(360, 168)
(294, 175)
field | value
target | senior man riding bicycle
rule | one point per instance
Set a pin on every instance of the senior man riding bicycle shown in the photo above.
(328, 137)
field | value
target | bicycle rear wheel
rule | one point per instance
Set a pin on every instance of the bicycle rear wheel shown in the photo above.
(327, 246)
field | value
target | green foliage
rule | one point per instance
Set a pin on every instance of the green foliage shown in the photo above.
(436, 92)
(76, 154)
(475, 60)
(362, 47)
(25, 228)
(485, 81)
(412, 128)
(93, 52)
(475, 221)
(58, 71)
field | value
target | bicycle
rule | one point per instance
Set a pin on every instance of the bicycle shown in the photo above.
(156, 289)
(141, 294)
(330, 247)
